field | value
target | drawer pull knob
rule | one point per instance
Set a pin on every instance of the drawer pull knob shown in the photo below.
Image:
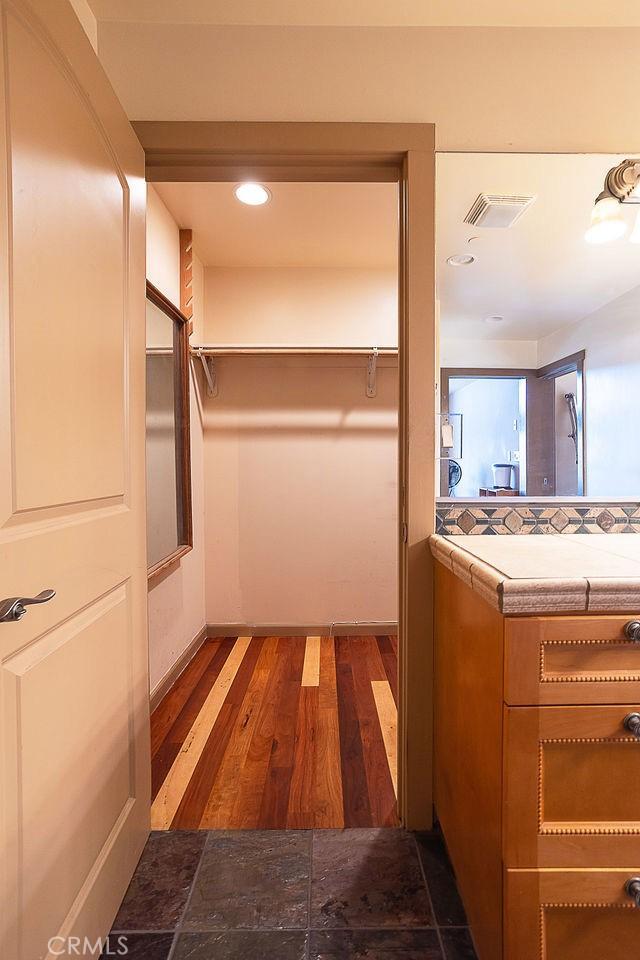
(632, 723)
(632, 630)
(632, 889)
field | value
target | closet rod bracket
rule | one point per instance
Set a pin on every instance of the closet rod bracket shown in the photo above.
(210, 372)
(372, 371)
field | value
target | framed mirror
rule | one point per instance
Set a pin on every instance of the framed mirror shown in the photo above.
(539, 294)
(168, 448)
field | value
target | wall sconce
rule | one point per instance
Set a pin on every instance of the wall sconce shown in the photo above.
(621, 185)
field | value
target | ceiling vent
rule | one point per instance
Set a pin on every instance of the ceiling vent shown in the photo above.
(496, 210)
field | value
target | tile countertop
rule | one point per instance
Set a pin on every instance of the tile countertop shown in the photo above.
(549, 574)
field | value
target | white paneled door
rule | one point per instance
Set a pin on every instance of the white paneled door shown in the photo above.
(73, 671)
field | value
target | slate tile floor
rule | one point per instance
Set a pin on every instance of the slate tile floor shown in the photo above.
(359, 894)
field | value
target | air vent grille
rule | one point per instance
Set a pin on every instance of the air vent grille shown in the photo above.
(497, 210)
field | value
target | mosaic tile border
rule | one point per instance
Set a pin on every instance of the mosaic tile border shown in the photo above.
(537, 518)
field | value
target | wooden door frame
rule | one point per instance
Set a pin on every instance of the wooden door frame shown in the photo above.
(530, 375)
(574, 363)
(403, 153)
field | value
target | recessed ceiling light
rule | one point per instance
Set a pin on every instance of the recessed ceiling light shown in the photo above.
(494, 319)
(254, 194)
(461, 260)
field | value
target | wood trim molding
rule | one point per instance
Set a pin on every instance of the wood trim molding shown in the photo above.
(167, 562)
(539, 410)
(164, 685)
(301, 630)
(182, 412)
(575, 361)
(288, 151)
(186, 276)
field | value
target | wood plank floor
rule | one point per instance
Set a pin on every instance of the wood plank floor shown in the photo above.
(279, 732)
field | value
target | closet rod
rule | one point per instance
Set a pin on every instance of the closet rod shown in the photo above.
(213, 351)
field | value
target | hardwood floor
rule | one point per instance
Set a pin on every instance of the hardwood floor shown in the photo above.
(279, 732)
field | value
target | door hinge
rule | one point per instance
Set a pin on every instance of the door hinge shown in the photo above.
(405, 532)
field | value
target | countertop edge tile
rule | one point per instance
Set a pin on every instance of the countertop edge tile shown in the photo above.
(517, 596)
(606, 594)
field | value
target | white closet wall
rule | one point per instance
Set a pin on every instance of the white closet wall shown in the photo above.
(300, 466)
(176, 598)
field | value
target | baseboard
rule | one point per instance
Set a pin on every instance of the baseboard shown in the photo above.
(163, 686)
(300, 630)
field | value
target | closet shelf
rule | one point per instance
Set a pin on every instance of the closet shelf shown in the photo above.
(208, 353)
(239, 351)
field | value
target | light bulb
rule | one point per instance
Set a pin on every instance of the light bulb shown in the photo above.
(254, 194)
(606, 222)
(635, 233)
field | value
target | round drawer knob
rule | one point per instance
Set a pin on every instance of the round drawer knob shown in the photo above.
(632, 630)
(632, 889)
(632, 723)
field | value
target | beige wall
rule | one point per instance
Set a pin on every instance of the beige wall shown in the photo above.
(176, 600)
(485, 88)
(300, 467)
(301, 493)
(488, 353)
(610, 340)
(309, 306)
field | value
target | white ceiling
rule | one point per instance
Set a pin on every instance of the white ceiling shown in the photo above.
(539, 274)
(310, 224)
(544, 13)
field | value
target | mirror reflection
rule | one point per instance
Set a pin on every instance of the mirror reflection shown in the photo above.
(167, 439)
(539, 294)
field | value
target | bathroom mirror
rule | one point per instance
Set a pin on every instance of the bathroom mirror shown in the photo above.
(539, 330)
(169, 527)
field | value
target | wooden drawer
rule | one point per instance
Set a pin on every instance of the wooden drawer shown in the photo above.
(570, 915)
(571, 787)
(562, 660)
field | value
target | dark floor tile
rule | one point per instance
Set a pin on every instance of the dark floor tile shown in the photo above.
(374, 945)
(160, 886)
(458, 944)
(367, 878)
(138, 946)
(250, 880)
(242, 945)
(441, 881)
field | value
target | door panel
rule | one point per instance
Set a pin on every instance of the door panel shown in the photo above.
(563, 660)
(73, 672)
(572, 787)
(77, 251)
(569, 915)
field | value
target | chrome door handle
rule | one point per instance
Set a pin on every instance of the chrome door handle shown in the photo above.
(632, 630)
(15, 607)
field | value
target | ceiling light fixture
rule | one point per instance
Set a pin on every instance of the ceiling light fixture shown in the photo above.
(606, 222)
(494, 319)
(621, 185)
(461, 260)
(253, 194)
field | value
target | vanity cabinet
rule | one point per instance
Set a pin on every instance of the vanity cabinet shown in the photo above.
(537, 776)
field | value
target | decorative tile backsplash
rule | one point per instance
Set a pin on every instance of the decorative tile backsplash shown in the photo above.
(537, 518)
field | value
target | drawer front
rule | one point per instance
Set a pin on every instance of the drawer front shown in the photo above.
(571, 787)
(562, 660)
(558, 915)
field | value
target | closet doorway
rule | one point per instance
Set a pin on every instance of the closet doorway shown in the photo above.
(314, 528)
